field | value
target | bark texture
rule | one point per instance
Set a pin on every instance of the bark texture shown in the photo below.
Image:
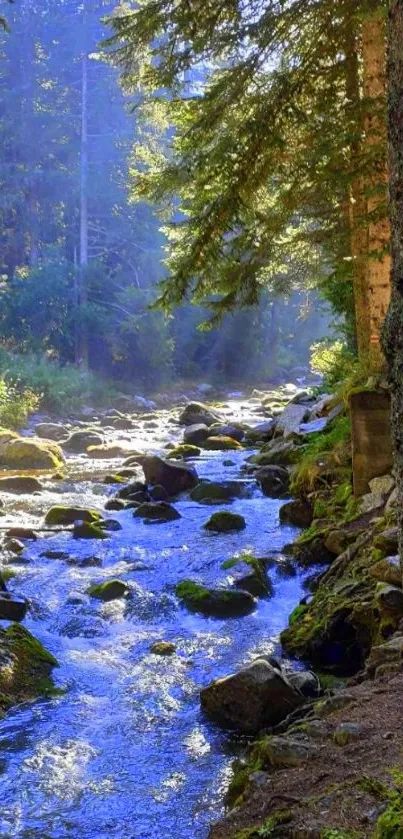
(377, 282)
(393, 330)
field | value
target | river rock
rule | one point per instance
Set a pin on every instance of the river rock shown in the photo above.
(184, 452)
(59, 515)
(221, 444)
(305, 682)
(387, 570)
(195, 434)
(12, 608)
(274, 480)
(20, 484)
(279, 752)
(162, 648)
(389, 598)
(225, 522)
(108, 451)
(278, 452)
(298, 512)
(79, 441)
(15, 546)
(218, 603)
(387, 541)
(235, 432)
(89, 530)
(383, 484)
(28, 453)
(174, 477)
(115, 504)
(110, 590)
(130, 491)
(52, 431)
(156, 511)
(257, 583)
(212, 491)
(251, 699)
(158, 493)
(21, 533)
(196, 413)
(289, 421)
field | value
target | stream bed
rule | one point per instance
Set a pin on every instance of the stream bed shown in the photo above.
(125, 751)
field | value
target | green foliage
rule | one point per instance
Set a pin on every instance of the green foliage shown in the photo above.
(333, 360)
(330, 442)
(16, 403)
(389, 825)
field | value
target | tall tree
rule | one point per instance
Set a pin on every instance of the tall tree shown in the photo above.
(281, 153)
(393, 333)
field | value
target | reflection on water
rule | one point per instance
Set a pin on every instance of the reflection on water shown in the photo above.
(125, 752)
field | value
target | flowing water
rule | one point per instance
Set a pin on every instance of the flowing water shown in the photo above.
(125, 751)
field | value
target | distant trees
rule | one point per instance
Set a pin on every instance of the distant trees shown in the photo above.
(280, 161)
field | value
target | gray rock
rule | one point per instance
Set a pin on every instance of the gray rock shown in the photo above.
(233, 431)
(20, 485)
(195, 413)
(306, 682)
(251, 699)
(51, 431)
(79, 441)
(12, 608)
(273, 480)
(195, 434)
(298, 512)
(389, 598)
(387, 570)
(383, 484)
(290, 420)
(174, 477)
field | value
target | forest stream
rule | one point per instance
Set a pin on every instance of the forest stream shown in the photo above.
(125, 751)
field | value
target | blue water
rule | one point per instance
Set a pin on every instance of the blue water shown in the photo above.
(126, 752)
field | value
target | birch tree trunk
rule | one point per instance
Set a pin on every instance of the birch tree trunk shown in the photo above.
(393, 331)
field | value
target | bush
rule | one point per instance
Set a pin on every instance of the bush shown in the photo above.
(333, 360)
(41, 381)
(15, 405)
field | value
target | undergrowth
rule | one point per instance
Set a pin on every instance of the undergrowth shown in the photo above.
(330, 445)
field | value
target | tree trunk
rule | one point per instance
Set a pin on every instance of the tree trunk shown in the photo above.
(376, 181)
(393, 330)
(82, 296)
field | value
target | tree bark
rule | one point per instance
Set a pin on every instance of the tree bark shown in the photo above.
(82, 295)
(393, 330)
(376, 181)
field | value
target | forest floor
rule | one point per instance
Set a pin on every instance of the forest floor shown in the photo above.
(340, 791)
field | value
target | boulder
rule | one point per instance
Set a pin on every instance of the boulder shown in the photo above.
(89, 530)
(257, 583)
(28, 453)
(225, 522)
(281, 752)
(235, 432)
(174, 477)
(59, 515)
(389, 598)
(115, 504)
(162, 648)
(195, 413)
(131, 490)
(274, 481)
(387, 541)
(298, 512)
(20, 484)
(336, 541)
(21, 533)
(255, 697)
(305, 682)
(195, 434)
(278, 452)
(389, 653)
(12, 608)
(109, 452)
(221, 444)
(52, 431)
(264, 431)
(218, 603)
(110, 590)
(387, 570)
(384, 484)
(158, 493)
(79, 441)
(156, 511)
(183, 452)
(212, 491)
(290, 419)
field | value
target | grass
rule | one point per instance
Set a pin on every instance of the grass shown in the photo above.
(331, 444)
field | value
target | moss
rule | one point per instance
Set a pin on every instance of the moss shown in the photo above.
(296, 614)
(25, 673)
(224, 522)
(162, 648)
(184, 452)
(223, 444)
(325, 450)
(270, 827)
(191, 592)
(59, 515)
(109, 590)
(89, 530)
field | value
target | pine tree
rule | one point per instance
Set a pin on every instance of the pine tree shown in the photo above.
(274, 161)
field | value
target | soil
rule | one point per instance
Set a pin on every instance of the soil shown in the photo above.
(331, 790)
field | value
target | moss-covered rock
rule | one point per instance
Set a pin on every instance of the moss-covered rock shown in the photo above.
(277, 453)
(196, 413)
(163, 648)
(219, 603)
(387, 570)
(79, 441)
(28, 453)
(184, 452)
(225, 522)
(109, 590)
(60, 515)
(387, 541)
(221, 444)
(25, 667)
(211, 491)
(156, 511)
(89, 530)
(20, 485)
(298, 512)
